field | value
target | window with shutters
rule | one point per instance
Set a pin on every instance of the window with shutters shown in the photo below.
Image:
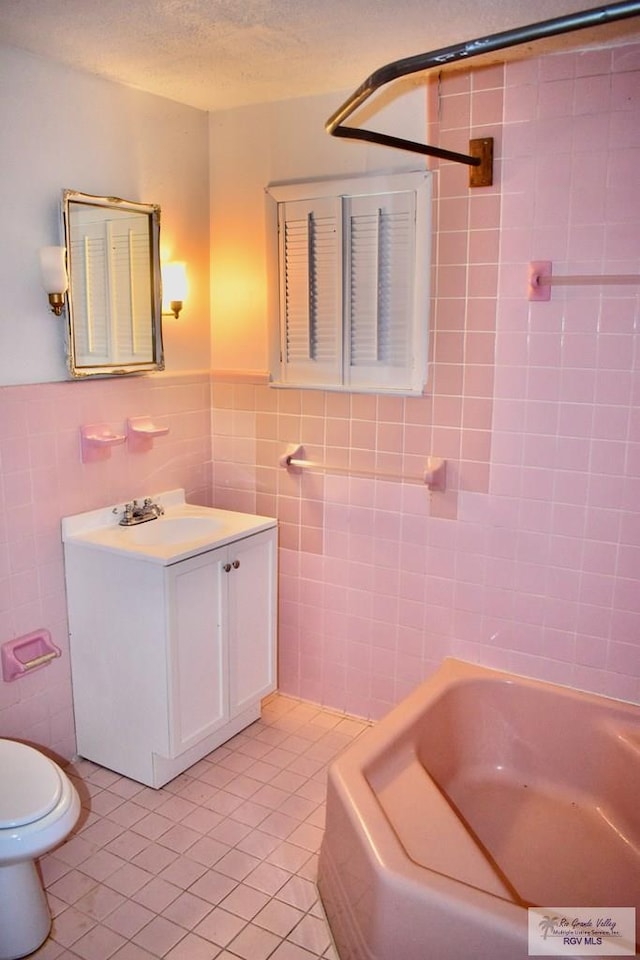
(353, 282)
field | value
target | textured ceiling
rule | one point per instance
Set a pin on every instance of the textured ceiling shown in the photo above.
(215, 54)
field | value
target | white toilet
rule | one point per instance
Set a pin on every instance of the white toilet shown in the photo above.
(39, 807)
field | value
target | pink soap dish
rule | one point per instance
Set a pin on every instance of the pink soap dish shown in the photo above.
(141, 432)
(96, 440)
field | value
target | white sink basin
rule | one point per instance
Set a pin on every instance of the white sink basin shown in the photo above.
(184, 530)
(172, 530)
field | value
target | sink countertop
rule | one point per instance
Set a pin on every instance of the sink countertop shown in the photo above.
(165, 540)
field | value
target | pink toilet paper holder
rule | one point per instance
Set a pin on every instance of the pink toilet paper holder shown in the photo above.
(27, 653)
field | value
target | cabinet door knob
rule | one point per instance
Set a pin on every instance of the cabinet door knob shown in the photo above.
(227, 567)
(235, 564)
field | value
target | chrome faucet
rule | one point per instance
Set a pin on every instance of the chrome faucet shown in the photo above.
(135, 512)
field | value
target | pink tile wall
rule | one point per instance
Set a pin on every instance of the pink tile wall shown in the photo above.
(531, 561)
(43, 479)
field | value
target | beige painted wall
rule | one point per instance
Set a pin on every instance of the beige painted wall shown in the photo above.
(251, 147)
(66, 129)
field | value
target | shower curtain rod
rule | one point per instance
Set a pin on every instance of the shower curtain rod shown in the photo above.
(462, 51)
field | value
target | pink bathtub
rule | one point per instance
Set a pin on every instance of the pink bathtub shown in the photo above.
(481, 794)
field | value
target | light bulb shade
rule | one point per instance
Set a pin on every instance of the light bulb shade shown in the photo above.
(53, 269)
(174, 281)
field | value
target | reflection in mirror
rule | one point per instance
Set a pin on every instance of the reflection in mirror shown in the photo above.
(115, 306)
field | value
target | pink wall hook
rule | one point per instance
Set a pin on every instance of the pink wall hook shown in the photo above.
(435, 476)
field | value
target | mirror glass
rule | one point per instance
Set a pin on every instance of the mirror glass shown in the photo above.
(114, 298)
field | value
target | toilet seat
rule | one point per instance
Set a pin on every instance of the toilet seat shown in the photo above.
(39, 807)
(31, 790)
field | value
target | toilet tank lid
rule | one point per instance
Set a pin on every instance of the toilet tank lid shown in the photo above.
(30, 784)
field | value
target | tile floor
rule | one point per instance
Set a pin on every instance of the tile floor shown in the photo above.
(221, 862)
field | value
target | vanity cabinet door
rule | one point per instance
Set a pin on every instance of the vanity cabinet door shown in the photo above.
(198, 664)
(251, 619)
(222, 639)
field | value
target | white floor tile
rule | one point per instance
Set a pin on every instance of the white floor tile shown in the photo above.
(220, 864)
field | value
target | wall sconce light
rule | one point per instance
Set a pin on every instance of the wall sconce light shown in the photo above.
(174, 287)
(53, 270)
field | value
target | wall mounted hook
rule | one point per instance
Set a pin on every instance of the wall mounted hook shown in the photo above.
(435, 476)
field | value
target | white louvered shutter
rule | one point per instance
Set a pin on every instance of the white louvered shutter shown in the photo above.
(111, 278)
(379, 291)
(311, 291)
(130, 282)
(353, 281)
(89, 288)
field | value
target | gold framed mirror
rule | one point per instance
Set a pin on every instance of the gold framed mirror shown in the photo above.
(115, 293)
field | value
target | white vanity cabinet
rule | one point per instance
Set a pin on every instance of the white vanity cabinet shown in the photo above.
(169, 660)
(221, 658)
